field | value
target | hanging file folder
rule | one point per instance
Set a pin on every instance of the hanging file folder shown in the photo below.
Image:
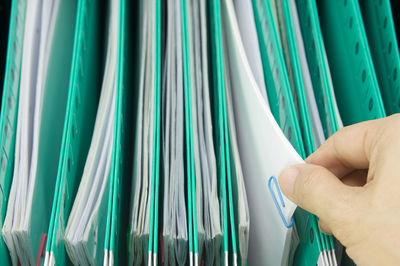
(143, 231)
(237, 203)
(353, 73)
(318, 66)
(43, 87)
(174, 225)
(190, 163)
(277, 82)
(9, 110)
(155, 163)
(131, 131)
(378, 21)
(221, 133)
(83, 95)
(239, 208)
(321, 248)
(297, 76)
(275, 71)
(87, 235)
(115, 245)
(271, 225)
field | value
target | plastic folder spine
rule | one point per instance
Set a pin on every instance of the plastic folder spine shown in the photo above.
(158, 123)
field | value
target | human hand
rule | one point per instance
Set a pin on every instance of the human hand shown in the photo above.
(352, 183)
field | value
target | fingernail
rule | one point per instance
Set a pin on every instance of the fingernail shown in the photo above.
(287, 179)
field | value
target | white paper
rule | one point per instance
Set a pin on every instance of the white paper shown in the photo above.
(247, 27)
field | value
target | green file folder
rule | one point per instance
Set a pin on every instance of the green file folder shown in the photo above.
(119, 193)
(318, 65)
(353, 73)
(190, 167)
(222, 136)
(143, 230)
(381, 35)
(307, 252)
(51, 120)
(54, 109)
(292, 60)
(83, 96)
(275, 74)
(9, 111)
(153, 235)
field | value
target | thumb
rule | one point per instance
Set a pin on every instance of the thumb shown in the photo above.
(317, 190)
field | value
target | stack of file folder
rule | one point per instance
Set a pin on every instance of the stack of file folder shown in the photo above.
(153, 132)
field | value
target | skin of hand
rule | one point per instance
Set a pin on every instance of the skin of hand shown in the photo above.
(352, 183)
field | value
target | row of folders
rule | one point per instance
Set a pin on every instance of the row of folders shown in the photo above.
(152, 132)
